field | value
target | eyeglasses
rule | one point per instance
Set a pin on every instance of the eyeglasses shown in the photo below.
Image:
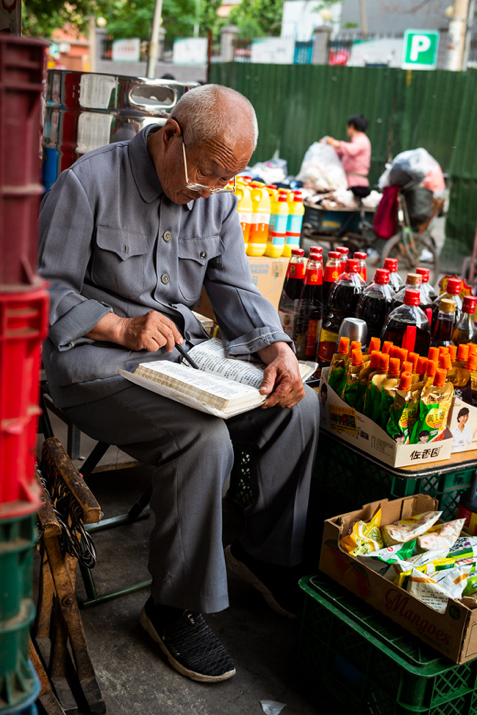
(202, 187)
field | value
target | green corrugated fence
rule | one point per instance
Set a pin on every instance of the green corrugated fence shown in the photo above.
(298, 104)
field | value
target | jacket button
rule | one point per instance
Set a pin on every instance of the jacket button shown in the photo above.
(167, 235)
(165, 278)
(203, 254)
(187, 335)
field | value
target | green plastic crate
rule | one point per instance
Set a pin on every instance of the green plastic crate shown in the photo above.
(17, 540)
(370, 665)
(17, 681)
(344, 474)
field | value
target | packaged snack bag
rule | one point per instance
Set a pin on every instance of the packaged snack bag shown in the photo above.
(364, 536)
(381, 560)
(434, 407)
(373, 392)
(441, 536)
(468, 391)
(369, 369)
(388, 391)
(426, 590)
(470, 587)
(406, 529)
(464, 547)
(352, 385)
(403, 412)
(337, 374)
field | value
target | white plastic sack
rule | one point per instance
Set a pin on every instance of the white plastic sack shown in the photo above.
(322, 169)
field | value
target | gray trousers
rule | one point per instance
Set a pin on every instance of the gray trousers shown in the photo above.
(193, 455)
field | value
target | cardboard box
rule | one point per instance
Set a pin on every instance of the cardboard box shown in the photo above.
(268, 274)
(463, 440)
(453, 633)
(357, 429)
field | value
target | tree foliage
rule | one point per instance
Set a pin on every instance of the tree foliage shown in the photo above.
(257, 18)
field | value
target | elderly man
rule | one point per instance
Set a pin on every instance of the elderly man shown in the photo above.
(127, 246)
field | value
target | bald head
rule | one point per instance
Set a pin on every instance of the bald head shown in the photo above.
(213, 112)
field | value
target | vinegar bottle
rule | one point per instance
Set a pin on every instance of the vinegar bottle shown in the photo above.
(331, 273)
(407, 326)
(291, 291)
(395, 280)
(375, 303)
(465, 330)
(444, 327)
(310, 311)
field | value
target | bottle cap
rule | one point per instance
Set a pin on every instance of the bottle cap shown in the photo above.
(391, 265)
(352, 265)
(421, 365)
(424, 273)
(381, 277)
(413, 279)
(454, 286)
(469, 303)
(402, 354)
(343, 346)
(433, 354)
(394, 367)
(431, 368)
(413, 357)
(472, 363)
(443, 350)
(374, 359)
(405, 382)
(297, 196)
(316, 249)
(342, 250)
(387, 345)
(406, 366)
(360, 255)
(334, 254)
(271, 186)
(356, 357)
(298, 252)
(445, 361)
(440, 378)
(463, 353)
(383, 362)
(472, 348)
(446, 305)
(282, 197)
(374, 344)
(355, 345)
(412, 297)
(453, 352)
(394, 351)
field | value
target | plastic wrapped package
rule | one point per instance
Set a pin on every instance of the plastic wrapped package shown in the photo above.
(322, 169)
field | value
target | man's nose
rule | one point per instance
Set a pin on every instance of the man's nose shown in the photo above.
(205, 193)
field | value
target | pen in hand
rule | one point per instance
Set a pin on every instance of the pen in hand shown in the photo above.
(187, 357)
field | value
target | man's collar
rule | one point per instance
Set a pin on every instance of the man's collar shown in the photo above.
(143, 168)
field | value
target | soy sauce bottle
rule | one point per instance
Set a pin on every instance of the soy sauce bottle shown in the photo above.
(291, 291)
(465, 331)
(395, 280)
(375, 303)
(310, 311)
(331, 273)
(407, 326)
(444, 327)
(342, 303)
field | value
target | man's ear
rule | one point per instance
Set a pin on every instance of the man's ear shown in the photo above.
(169, 131)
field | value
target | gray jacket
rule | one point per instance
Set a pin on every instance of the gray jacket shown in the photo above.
(110, 240)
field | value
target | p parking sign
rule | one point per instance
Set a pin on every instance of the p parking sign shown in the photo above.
(420, 50)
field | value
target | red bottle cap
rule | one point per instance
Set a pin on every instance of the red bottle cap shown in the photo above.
(381, 277)
(342, 250)
(463, 353)
(425, 273)
(374, 359)
(440, 378)
(431, 368)
(393, 351)
(360, 255)
(469, 304)
(453, 352)
(283, 198)
(433, 354)
(443, 350)
(343, 346)
(391, 265)
(445, 361)
(472, 349)
(271, 186)
(413, 357)
(334, 254)
(406, 366)
(405, 382)
(394, 367)
(352, 266)
(298, 252)
(383, 362)
(421, 365)
(316, 249)
(356, 357)
(412, 297)
(387, 345)
(374, 344)
(472, 363)
(355, 345)
(454, 286)
(402, 354)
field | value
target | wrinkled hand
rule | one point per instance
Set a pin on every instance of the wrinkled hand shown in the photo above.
(150, 331)
(281, 379)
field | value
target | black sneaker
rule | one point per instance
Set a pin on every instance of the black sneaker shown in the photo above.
(277, 584)
(189, 644)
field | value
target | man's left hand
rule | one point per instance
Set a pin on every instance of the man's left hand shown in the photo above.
(281, 379)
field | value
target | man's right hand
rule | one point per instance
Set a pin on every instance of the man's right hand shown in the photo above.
(150, 331)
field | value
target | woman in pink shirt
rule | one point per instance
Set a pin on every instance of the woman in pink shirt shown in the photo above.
(355, 155)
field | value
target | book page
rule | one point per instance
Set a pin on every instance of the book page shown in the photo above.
(210, 357)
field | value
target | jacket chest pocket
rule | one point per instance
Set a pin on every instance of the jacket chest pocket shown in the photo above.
(119, 261)
(194, 255)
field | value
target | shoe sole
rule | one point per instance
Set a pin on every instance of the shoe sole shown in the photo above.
(145, 622)
(242, 571)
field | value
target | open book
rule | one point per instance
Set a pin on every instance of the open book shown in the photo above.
(223, 386)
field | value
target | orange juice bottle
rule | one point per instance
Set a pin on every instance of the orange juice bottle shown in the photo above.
(260, 220)
(245, 209)
(296, 211)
